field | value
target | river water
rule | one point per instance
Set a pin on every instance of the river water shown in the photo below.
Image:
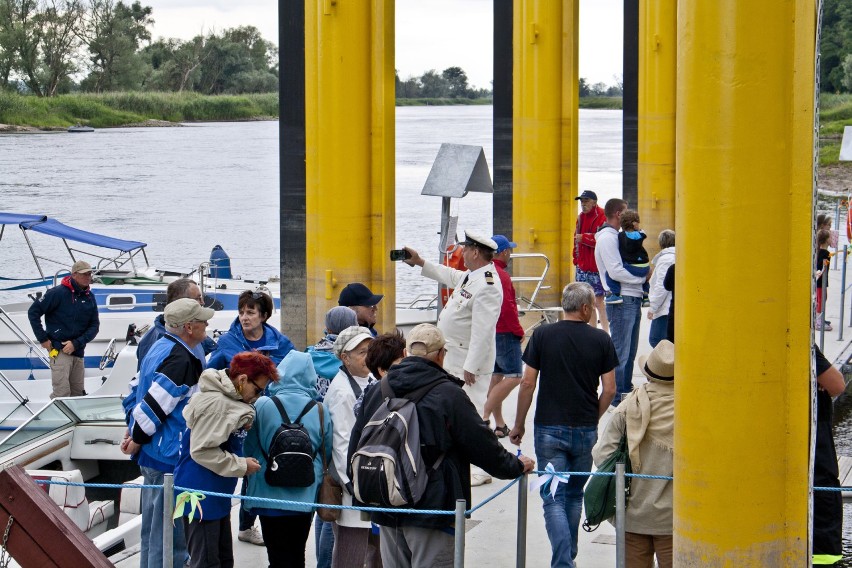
(184, 190)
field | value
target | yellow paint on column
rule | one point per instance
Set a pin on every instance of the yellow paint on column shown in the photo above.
(657, 70)
(545, 134)
(745, 119)
(349, 93)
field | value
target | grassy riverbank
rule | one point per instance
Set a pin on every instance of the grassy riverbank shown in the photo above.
(117, 109)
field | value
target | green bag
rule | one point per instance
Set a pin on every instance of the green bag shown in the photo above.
(599, 497)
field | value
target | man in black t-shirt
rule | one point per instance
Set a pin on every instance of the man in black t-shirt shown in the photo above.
(572, 358)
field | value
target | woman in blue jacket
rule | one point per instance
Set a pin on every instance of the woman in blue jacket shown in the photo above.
(286, 527)
(250, 332)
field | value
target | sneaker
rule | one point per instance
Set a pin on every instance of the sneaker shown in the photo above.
(252, 536)
(826, 327)
(613, 299)
(477, 479)
(646, 303)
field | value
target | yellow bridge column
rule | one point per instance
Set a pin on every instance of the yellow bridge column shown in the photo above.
(545, 135)
(745, 92)
(349, 100)
(657, 69)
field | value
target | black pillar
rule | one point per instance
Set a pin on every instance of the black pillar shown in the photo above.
(291, 132)
(502, 87)
(630, 130)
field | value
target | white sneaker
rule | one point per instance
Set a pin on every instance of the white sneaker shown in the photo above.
(252, 536)
(477, 479)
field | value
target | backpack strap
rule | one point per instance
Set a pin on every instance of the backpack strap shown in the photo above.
(281, 411)
(352, 383)
(305, 410)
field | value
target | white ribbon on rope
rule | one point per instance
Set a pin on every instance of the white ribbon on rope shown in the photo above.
(552, 477)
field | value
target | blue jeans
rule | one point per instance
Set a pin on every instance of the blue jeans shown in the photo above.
(624, 320)
(151, 547)
(568, 448)
(659, 330)
(324, 539)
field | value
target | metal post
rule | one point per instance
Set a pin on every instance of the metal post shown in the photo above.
(836, 224)
(620, 508)
(822, 300)
(842, 294)
(168, 509)
(521, 553)
(458, 557)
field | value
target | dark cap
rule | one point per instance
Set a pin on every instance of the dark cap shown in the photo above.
(588, 195)
(356, 294)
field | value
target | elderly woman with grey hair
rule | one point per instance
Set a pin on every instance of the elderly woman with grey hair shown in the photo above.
(659, 297)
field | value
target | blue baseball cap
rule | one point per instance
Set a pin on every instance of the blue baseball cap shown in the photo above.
(503, 243)
(587, 195)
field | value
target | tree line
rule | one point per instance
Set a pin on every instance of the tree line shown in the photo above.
(50, 47)
(836, 47)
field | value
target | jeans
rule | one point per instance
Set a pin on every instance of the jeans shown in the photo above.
(659, 330)
(624, 320)
(151, 503)
(568, 448)
(324, 539)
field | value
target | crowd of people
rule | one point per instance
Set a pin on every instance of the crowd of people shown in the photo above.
(211, 413)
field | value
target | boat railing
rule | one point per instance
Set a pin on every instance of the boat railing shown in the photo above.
(529, 303)
(36, 348)
(421, 302)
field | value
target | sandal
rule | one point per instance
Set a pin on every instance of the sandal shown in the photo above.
(502, 431)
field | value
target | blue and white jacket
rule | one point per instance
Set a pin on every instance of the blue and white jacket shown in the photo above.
(168, 377)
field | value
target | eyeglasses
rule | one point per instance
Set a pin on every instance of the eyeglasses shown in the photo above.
(205, 322)
(256, 387)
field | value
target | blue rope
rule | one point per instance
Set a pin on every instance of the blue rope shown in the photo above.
(492, 497)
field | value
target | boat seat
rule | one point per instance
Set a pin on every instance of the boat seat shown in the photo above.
(130, 502)
(92, 517)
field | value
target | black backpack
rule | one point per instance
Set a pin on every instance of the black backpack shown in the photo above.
(290, 461)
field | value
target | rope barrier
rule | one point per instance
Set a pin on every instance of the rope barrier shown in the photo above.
(492, 497)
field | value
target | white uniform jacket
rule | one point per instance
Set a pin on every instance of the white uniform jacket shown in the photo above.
(469, 319)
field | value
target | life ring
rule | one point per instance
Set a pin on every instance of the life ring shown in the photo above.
(453, 259)
(849, 219)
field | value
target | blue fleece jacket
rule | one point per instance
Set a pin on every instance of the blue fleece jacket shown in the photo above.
(295, 388)
(275, 345)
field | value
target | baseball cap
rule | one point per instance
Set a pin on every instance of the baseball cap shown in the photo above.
(81, 266)
(587, 195)
(357, 294)
(184, 311)
(350, 338)
(424, 339)
(503, 243)
(478, 239)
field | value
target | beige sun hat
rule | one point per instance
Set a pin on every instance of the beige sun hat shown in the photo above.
(659, 365)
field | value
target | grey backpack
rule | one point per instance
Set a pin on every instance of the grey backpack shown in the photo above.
(387, 469)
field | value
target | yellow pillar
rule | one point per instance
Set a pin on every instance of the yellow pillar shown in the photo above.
(656, 167)
(349, 99)
(745, 117)
(545, 135)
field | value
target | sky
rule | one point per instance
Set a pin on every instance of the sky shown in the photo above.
(430, 34)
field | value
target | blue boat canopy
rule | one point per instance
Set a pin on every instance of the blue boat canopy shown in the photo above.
(52, 227)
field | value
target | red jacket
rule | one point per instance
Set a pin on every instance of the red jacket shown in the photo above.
(584, 251)
(508, 321)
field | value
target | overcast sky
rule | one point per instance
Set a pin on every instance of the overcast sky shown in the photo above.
(430, 34)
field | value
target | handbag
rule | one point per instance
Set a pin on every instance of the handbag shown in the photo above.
(599, 496)
(330, 491)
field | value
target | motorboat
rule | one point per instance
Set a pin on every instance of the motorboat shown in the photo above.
(77, 440)
(129, 292)
(79, 128)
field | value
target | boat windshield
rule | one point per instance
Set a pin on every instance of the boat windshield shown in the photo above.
(62, 413)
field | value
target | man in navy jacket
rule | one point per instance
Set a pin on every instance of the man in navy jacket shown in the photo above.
(71, 318)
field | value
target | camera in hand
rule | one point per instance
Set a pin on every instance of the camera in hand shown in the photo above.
(399, 254)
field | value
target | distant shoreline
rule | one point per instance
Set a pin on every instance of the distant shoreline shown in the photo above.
(30, 114)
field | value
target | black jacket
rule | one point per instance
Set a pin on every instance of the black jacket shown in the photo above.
(449, 423)
(70, 313)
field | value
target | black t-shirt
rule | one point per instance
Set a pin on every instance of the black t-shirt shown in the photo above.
(824, 406)
(822, 254)
(570, 357)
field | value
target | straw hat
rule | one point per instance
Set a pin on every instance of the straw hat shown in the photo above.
(659, 365)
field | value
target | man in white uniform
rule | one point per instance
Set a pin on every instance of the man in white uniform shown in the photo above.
(469, 319)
